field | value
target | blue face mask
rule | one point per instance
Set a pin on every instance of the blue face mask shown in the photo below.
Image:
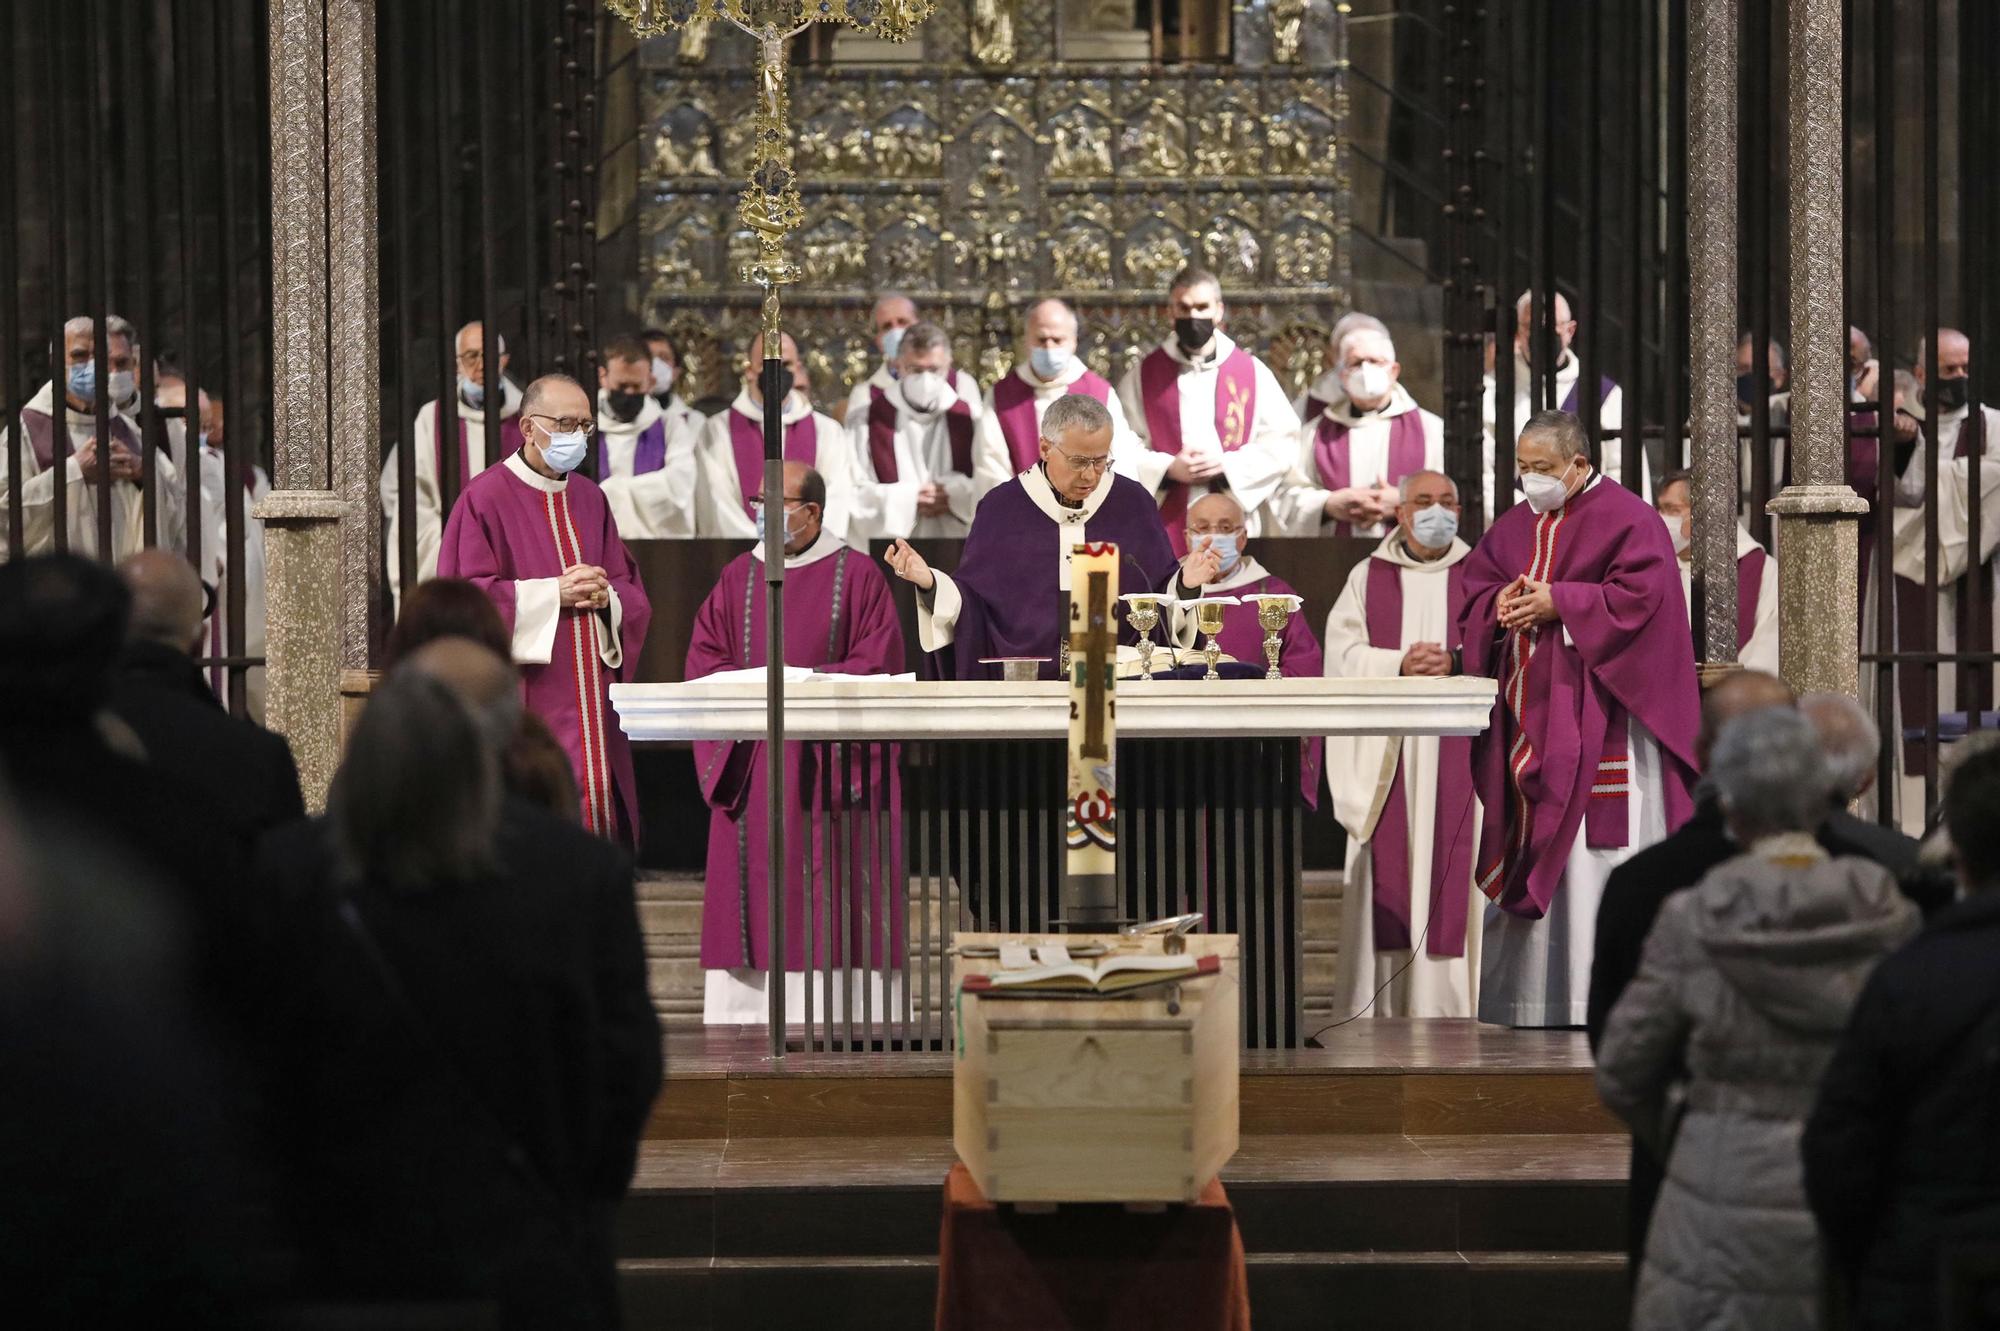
(473, 391)
(564, 452)
(1225, 544)
(1434, 527)
(892, 342)
(83, 381)
(1049, 362)
(760, 525)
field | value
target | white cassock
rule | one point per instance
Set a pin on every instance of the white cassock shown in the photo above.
(681, 418)
(1359, 772)
(1761, 651)
(215, 563)
(1252, 473)
(719, 509)
(658, 502)
(882, 510)
(1609, 416)
(430, 506)
(993, 459)
(962, 383)
(1299, 509)
(128, 500)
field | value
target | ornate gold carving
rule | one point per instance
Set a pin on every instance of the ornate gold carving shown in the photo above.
(694, 41)
(993, 32)
(907, 145)
(1297, 353)
(994, 252)
(1080, 146)
(1157, 145)
(1288, 18)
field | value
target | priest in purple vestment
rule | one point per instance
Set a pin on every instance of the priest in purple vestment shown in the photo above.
(840, 620)
(1007, 598)
(1573, 603)
(540, 540)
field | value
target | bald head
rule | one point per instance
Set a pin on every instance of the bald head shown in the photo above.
(1735, 695)
(1215, 507)
(167, 601)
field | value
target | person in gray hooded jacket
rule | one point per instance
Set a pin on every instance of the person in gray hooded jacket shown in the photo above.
(1714, 1053)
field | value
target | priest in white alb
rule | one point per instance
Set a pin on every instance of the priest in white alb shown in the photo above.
(1756, 574)
(1008, 441)
(911, 446)
(1206, 414)
(1610, 399)
(893, 315)
(1409, 928)
(729, 456)
(645, 456)
(1329, 388)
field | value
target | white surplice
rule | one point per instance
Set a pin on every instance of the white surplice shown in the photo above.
(1609, 415)
(659, 505)
(884, 510)
(1761, 651)
(128, 500)
(719, 510)
(993, 460)
(859, 396)
(1359, 771)
(1253, 473)
(1299, 509)
(215, 561)
(430, 508)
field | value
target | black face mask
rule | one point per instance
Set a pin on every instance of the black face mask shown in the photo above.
(786, 382)
(1193, 334)
(1746, 388)
(1951, 393)
(624, 405)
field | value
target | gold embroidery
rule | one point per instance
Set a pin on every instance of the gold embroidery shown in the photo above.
(1236, 417)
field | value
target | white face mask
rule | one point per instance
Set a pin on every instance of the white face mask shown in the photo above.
(1546, 494)
(1674, 530)
(1367, 382)
(663, 376)
(1434, 527)
(926, 391)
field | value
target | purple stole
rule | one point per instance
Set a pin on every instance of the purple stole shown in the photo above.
(510, 443)
(649, 451)
(1315, 408)
(41, 431)
(1014, 408)
(1749, 582)
(1406, 454)
(1235, 409)
(1605, 384)
(1451, 830)
(882, 436)
(746, 438)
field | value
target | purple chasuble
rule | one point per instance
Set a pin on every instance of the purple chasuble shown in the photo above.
(41, 431)
(840, 618)
(1554, 760)
(746, 438)
(1014, 408)
(1451, 828)
(1336, 471)
(649, 451)
(1008, 577)
(1298, 656)
(1235, 409)
(1605, 384)
(503, 531)
(882, 436)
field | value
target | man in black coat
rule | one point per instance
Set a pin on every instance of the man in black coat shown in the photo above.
(1900, 1159)
(242, 772)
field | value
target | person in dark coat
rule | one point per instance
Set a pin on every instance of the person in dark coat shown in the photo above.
(1900, 1165)
(1851, 742)
(464, 1051)
(242, 772)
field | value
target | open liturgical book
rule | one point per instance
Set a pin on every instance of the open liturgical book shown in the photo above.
(1051, 968)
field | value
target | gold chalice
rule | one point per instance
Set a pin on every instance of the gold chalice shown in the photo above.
(1208, 619)
(1142, 612)
(1272, 612)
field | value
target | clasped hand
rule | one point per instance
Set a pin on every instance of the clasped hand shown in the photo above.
(584, 587)
(1426, 658)
(1525, 603)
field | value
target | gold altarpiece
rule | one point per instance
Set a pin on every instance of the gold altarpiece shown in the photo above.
(986, 170)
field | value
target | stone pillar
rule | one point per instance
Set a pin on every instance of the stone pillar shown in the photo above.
(1711, 242)
(1818, 515)
(322, 184)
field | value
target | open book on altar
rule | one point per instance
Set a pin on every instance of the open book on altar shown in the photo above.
(1112, 974)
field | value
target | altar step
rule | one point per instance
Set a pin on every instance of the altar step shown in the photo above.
(1362, 1230)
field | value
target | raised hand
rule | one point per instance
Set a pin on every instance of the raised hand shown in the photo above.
(908, 565)
(1202, 565)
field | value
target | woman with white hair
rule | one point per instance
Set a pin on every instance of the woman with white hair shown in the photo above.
(1715, 1051)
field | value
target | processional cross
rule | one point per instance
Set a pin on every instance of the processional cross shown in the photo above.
(771, 207)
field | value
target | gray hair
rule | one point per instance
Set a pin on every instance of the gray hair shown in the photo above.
(114, 326)
(532, 398)
(924, 336)
(1373, 328)
(1403, 486)
(1563, 429)
(1768, 772)
(1848, 739)
(1074, 411)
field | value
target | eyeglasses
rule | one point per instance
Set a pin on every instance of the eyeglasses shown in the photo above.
(566, 424)
(1084, 465)
(472, 357)
(757, 501)
(1215, 531)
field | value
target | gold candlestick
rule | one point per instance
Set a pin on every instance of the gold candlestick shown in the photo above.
(1142, 612)
(1208, 619)
(1272, 612)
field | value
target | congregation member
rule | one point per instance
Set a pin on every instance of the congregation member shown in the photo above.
(1206, 414)
(840, 619)
(1898, 1150)
(1409, 934)
(889, 320)
(539, 540)
(1714, 1050)
(1330, 386)
(1009, 597)
(1355, 452)
(911, 445)
(1009, 436)
(729, 452)
(1756, 574)
(85, 459)
(462, 1050)
(426, 442)
(1609, 398)
(1852, 746)
(645, 459)
(1569, 604)
(665, 383)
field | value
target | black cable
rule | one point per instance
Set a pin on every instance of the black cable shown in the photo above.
(1416, 950)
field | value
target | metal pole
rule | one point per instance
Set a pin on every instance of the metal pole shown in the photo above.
(486, 57)
(1891, 676)
(445, 423)
(140, 74)
(1591, 309)
(97, 266)
(1711, 245)
(10, 289)
(773, 390)
(1932, 280)
(407, 358)
(189, 190)
(58, 275)
(234, 468)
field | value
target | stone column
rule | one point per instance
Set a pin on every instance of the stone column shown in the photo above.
(1711, 242)
(322, 183)
(1818, 515)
